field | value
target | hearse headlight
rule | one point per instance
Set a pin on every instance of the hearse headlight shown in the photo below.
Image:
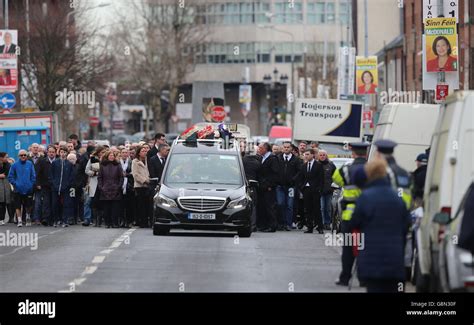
(162, 200)
(239, 203)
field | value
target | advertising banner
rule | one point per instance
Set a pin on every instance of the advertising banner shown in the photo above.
(8, 60)
(441, 44)
(345, 75)
(327, 120)
(366, 75)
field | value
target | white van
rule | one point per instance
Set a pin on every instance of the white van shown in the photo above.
(411, 126)
(450, 172)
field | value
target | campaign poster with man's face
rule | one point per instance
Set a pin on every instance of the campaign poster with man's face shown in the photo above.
(441, 44)
(366, 75)
(8, 60)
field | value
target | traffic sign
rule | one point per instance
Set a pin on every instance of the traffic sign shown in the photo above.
(7, 101)
(93, 121)
(218, 113)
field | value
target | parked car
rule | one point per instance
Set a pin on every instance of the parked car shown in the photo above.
(450, 172)
(456, 265)
(121, 139)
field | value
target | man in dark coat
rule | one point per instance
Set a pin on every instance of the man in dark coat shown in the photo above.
(61, 179)
(252, 165)
(326, 193)
(268, 179)
(419, 177)
(156, 164)
(44, 186)
(289, 166)
(383, 221)
(311, 180)
(159, 139)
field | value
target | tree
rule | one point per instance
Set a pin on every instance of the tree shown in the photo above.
(60, 53)
(159, 41)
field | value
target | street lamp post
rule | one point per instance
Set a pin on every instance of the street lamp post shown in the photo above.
(73, 12)
(273, 87)
(291, 110)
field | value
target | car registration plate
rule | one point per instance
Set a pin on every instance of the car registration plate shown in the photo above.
(202, 216)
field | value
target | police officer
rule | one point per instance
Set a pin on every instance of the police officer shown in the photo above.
(399, 178)
(344, 177)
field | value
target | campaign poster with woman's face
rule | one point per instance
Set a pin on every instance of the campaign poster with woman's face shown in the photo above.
(441, 44)
(366, 75)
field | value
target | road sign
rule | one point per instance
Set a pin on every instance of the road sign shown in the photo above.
(7, 101)
(441, 92)
(218, 113)
(93, 121)
(432, 9)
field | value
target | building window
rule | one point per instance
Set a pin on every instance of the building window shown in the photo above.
(235, 13)
(324, 12)
(288, 13)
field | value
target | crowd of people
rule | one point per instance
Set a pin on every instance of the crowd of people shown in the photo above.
(291, 187)
(67, 183)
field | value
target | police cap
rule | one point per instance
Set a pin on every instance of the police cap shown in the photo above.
(359, 146)
(385, 146)
(422, 158)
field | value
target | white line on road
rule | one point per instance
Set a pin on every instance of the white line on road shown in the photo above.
(98, 259)
(90, 269)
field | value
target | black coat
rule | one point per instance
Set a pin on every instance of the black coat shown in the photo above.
(110, 181)
(81, 177)
(288, 170)
(42, 177)
(419, 176)
(329, 168)
(252, 165)
(381, 215)
(268, 176)
(315, 177)
(152, 153)
(37, 165)
(155, 167)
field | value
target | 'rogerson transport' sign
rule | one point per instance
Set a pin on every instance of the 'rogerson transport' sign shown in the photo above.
(327, 120)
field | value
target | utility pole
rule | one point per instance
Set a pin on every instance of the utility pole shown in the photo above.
(6, 14)
(27, 10)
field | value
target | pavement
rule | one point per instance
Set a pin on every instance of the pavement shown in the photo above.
(88, 259)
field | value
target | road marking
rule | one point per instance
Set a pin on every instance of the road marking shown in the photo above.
(98, 259)
(90, 269)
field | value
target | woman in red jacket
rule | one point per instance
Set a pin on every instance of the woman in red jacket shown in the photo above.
(368, 86)
(444, 61)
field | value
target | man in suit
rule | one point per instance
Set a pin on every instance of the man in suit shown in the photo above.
(311, 181)
(9, 47)
(289, 166)
(159, 140)
(157, 164)
(268, 179)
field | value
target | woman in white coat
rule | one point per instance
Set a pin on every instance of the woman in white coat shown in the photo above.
(92, 170)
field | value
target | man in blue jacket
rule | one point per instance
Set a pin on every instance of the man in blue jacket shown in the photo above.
(22, 176)
(61, 177)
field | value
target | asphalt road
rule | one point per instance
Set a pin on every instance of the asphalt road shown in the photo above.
(90, 259)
